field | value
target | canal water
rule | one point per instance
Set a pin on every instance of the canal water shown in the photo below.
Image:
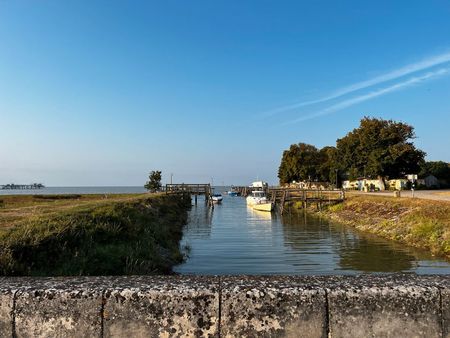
(234, 239)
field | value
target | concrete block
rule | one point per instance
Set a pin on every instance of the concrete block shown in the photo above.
(6, 307)
(272, 307)
(385, 311)
(171, 306)
(47, 311)
(445, 299)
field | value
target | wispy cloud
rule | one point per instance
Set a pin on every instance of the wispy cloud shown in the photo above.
(373, 94)
(393, 75)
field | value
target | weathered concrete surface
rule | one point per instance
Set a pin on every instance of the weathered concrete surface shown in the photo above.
(272, 307)
(384, 307)
(6, 310)
(162, 307)
(240, 306)
(58, 308)
(445, 299)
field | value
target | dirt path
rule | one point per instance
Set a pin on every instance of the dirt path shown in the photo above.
(437, 195)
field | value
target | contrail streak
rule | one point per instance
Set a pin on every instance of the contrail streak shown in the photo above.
(371, 95)
(400, 72)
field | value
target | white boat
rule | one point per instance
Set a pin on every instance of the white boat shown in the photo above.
(259, 185)
(217, 198)
(263, 206)
(258, 201)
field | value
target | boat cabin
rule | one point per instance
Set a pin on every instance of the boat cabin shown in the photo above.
(258, 193)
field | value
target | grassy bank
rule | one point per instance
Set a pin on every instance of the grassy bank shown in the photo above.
(91, 234)
(416, 222)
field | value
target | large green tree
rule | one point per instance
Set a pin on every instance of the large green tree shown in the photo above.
(302, 162)
(379, 148)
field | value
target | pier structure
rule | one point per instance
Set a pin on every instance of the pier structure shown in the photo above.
(191, 189)
(281, 196)
(317, 197)
(13, 186)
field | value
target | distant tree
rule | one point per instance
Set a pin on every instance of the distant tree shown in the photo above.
(154, 181)
(439, 169)
(379, 148)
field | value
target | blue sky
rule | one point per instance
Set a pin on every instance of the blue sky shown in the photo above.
(101, 92)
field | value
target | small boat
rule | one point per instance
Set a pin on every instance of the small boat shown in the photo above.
(232, 192)
(258, 201)
(216, 198)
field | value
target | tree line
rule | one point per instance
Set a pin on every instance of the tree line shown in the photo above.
(376, 148)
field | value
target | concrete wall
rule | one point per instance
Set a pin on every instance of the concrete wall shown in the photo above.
(175, 306)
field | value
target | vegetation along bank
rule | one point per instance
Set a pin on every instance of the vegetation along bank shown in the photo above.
(62, 235)
(416, 222)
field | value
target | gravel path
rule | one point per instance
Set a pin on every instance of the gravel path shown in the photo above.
(437, 195)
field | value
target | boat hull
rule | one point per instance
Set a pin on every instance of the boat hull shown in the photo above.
(217, 199)
(256, 200)
(268, 207)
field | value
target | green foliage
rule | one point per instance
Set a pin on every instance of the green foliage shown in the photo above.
(303, 162)
(336, 207)
(154, 181)
(439, 169)
(140, 236)
(376, 148)
(379, 148)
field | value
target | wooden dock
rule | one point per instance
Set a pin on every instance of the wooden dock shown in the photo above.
(307, 197)
(191, 189)
(282, 196)
(279, 196)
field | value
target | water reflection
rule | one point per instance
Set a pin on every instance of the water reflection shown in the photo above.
(360, 252)
(363, 255)
(268, 216)
(235, 239)
(199, 222)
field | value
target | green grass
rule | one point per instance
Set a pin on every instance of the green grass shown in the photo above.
(98, 236)
(416, 222)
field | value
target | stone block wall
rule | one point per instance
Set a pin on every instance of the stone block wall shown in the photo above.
(228, 306)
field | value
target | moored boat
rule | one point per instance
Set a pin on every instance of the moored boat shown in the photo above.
(232, 192)
(258, 201)
(263, 206)
(216, 198)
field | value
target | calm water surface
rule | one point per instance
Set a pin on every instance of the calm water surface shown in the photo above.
(234, 239)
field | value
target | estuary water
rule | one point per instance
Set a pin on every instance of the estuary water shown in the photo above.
(234, 239)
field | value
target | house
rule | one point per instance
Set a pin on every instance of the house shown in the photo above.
(431, 182)
(351, 185)
(397, 184)
(364, 184)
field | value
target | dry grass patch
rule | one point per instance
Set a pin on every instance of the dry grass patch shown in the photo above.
(416, 222)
